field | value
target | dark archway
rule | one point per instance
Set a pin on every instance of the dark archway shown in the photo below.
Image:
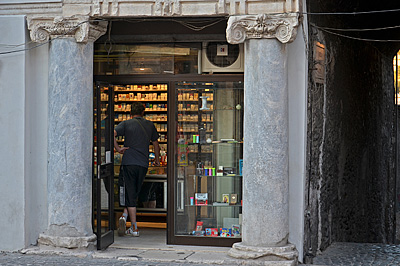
(352, 132)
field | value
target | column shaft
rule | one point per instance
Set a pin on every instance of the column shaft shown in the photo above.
(265, 182)
(70, 137)
(265, 224)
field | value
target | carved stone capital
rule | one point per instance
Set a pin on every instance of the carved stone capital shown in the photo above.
(81, 28)
(280, 26)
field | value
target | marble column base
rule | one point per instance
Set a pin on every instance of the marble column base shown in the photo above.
(285, 255)
(76, 242)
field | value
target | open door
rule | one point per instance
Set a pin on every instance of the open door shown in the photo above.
(103, 178)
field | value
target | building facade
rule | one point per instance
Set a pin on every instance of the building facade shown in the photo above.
(46, 68)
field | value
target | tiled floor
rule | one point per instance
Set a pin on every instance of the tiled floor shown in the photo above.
(156, 239)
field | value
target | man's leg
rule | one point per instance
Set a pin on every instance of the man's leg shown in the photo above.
(134, 181)
(125, 214)
(132, 216)
(122, 220)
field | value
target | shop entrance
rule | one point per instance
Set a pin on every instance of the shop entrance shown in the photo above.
(172, 82)
(194, 134)
(116, 96)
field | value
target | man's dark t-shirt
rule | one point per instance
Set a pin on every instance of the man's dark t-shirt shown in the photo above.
(137, 141)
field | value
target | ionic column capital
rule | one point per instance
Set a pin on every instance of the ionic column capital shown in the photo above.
(81, 28)
(280, 26)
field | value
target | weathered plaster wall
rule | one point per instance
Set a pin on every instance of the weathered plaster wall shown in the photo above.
(350, 187)
(36, 104)
(23, 138)
(12, 112)
(297, 86)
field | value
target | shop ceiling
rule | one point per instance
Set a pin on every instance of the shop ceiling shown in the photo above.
(150, 30)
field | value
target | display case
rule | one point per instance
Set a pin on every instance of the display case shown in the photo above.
(208, 162)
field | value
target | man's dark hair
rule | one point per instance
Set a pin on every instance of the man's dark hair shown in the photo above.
(137, 108)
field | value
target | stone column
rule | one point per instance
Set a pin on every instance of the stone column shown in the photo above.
(266, 167)
(70, 130)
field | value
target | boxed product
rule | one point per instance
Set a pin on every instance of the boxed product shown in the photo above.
(211, 231)
(201, 198)
(229, 170)
(198, 233)
(233, 199)
(225, 198)
(236, 230)
(225, 232)
(199, 226)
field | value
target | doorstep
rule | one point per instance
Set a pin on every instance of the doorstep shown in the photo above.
(151, 246)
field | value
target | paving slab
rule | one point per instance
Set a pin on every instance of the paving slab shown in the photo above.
(359, 254)
(165, 256)
(114, 253)
(209, 257)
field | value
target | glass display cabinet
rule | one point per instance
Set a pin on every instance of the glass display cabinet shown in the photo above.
(208, 162)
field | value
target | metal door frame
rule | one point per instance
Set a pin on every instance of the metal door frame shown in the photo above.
(104, 170)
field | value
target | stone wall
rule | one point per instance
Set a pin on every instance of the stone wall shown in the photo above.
(350, 189)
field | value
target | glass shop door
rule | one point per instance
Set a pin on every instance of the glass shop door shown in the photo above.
(207, 180)
(103, 166)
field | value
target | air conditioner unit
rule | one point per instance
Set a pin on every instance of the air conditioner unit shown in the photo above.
(222, 57)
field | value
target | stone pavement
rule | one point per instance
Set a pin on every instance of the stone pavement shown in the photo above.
(35, 257)
(346, 254)
(12, 259)
(148, 249)
(354, 254)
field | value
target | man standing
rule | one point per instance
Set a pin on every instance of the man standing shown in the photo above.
(138, 133)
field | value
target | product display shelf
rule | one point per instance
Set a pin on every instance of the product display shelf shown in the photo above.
(196, 110)
(141, 100)
(158, 110)
(160, 141)
(211, 205)
(117, 91)
(154, 186)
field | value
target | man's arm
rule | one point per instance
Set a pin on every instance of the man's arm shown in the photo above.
(156, 152)
(116, 145)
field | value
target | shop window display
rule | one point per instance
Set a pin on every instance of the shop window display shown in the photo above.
(209, 150)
